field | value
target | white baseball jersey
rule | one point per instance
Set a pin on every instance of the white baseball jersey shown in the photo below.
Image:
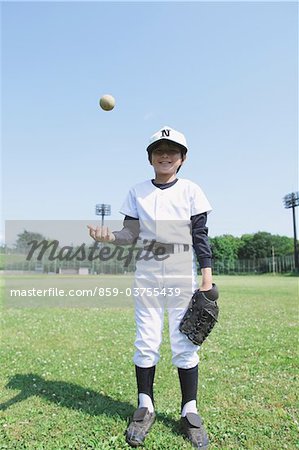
(164, 214)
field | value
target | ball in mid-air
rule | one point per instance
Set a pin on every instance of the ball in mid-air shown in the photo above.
(107, 102)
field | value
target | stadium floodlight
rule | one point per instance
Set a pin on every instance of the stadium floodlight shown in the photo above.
(103, 210)
(291, 201)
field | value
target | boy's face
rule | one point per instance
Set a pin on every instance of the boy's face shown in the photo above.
(166, 158)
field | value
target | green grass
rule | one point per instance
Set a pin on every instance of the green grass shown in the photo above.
(67, 377)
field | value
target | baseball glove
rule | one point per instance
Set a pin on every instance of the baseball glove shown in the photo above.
(201, 315)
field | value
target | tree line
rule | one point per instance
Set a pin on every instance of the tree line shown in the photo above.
(251, 246)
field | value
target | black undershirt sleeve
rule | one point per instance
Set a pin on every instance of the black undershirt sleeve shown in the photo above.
(130, 232)
(200, 240)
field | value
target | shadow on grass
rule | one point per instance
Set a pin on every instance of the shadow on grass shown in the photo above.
(73, 396)
(65, 394)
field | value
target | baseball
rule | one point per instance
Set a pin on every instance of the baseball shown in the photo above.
(107, 102)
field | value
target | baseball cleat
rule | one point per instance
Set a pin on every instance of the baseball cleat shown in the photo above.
(192, 427)
(139, 427)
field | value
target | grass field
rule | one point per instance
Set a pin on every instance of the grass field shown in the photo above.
(67, 377)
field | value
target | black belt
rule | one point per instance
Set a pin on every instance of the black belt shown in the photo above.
(162, 249)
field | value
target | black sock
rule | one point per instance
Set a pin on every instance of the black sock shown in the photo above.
(189, 383)
(145, 380)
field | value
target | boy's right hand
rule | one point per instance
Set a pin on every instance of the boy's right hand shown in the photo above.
(101, 234)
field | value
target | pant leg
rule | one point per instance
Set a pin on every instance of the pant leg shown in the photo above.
(149, 314)
(181, 275)
(149, 327)
(184, 352)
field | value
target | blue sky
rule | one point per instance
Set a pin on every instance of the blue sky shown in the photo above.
(225, 74)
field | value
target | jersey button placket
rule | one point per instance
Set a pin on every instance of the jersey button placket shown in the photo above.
(159, 214)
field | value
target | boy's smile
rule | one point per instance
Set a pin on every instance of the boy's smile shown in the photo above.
(166, 159)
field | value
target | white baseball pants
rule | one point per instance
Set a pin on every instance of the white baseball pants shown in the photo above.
(175, 281)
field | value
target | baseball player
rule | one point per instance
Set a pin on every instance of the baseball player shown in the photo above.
(170, 213)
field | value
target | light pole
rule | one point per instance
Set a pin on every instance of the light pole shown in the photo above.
(291, 201)
(103, 210)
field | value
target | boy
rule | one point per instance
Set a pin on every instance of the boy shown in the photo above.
(170, 214)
